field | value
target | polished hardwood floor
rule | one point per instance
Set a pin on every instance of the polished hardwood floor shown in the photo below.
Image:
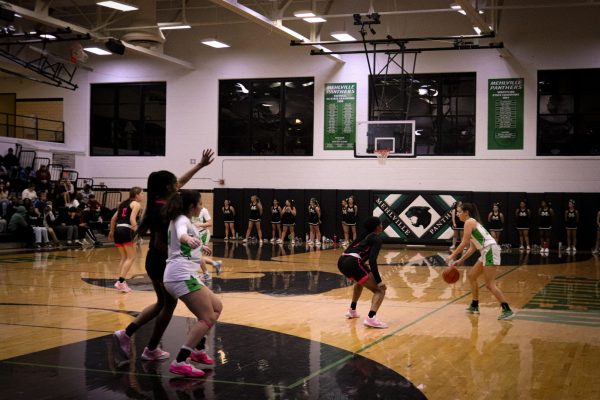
(283, 334)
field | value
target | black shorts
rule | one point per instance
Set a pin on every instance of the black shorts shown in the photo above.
(353, 268)
(123, 236)
(156, 262)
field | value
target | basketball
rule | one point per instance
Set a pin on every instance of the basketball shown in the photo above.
(450, 275)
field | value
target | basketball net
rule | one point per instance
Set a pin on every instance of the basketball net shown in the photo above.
(78, 54)
(382, 155)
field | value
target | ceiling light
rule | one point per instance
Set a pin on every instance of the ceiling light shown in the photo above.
(47, 36)
(463, 12)
(477, 30)
(304, 14)
(457, 7)
(117, 5)
(214, 43)
(342, 36)
(314, 20)
(97, 50)
(170, 26)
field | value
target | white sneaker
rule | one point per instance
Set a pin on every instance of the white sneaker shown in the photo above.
(452, 248)
(206, 276)
(272, 240)
(317, 243)
(279, 241)
(574, 250)
(568, 249)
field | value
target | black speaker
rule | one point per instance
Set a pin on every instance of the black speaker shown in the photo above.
(115, 46)
(6, 15)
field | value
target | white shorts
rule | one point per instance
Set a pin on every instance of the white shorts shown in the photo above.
(181, 288)
(490, 255)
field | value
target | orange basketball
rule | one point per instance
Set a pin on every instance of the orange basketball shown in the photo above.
(450, 275)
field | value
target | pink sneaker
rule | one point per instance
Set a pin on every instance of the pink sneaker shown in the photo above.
(202, 358)
(122, 286)
(352, 314)
(374, 323)
(186, 369)
(123, 340)
(156, 354)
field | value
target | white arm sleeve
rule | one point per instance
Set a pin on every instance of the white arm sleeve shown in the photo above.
(181, 226)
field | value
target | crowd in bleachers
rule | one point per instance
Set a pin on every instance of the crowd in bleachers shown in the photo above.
(41, 212)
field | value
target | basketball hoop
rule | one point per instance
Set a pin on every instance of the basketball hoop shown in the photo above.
(382, 154)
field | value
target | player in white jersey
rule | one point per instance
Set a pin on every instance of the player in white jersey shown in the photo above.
(203, 222)
(481, 240)
(181, 280)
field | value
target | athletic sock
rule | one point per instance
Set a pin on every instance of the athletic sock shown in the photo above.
(505, 307)
(372, 314)
(202, 344)
(353, 305)
(121, 279)
(183, 354)
(474, 303)
(131, 328)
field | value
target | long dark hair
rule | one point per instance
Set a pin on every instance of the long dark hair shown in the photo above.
(179, 203)
(161, 184)
(472, 209)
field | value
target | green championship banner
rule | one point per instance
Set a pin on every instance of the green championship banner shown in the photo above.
(505, 114)
(415, 217)
(340, 116)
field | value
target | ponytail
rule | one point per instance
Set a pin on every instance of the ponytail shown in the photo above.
(179, 203)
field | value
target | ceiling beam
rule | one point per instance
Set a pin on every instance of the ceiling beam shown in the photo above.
(276, 26)
(41, 16)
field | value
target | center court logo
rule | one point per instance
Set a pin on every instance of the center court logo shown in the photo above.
(415, 216)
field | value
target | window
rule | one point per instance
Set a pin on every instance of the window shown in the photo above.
(568, 113)
(128, 119)
(266, 117)
(442, 105)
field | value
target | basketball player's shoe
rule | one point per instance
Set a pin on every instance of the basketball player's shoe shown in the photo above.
(217, 265)
(472, 310)
(186, 369)
(122, 286)
(352, 314)
(156, 354)
(123, 341)
(506, 314)
(374, 323)
(201, 357)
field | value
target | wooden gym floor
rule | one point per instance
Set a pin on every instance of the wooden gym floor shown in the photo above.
(283, 334)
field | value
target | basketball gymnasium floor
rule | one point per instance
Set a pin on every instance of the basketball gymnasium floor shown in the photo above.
(283, 334)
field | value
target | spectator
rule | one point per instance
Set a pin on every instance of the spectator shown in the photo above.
(35, 220)
(64, 190)
(86, 192)
(4, 202)
(42, 178)
(49, 220)
(29, 192)
(12, 206)
(19, 227)
(10, 160)
(4, 175)
(40, 202)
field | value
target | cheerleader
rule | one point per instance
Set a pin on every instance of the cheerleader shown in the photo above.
(523, 224)
(571, 221)
(123, 226)
(457, 225)
(351, 213)
(256, 211)
(546, 215)
(228, 213)
(345, 228)
(314, 219)
(275, 221)
(288, 220)
(496, 222)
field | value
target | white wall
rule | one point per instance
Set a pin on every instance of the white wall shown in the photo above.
(192, 112)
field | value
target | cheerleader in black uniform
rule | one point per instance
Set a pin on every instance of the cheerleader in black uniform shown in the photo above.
(123, 226)
(523, 225)
(457, 225)
(228, 213)
(496, 222)
(546, 215)
(256, 211)
(345, 223)
(351, 213)
(571, 221)
(275, 221)
(288, 220)
(314, 219)
(597, 248)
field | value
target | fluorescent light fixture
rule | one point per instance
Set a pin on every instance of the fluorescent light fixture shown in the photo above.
(117, 5)
(342, 36)
(171, 26)
(458, 8)
(214, 43)
(308, 83)
(463, 12)
(18, 15)
(477, 30)
(304, 14)
(47, 36)
(314, 20)
(97, 51)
